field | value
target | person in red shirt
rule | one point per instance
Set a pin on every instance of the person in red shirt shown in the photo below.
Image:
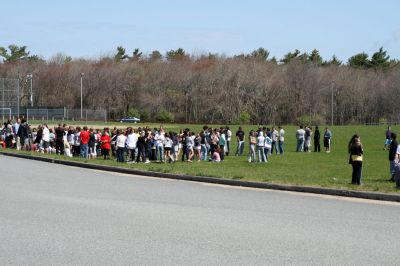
(84, 142)
(105, 145)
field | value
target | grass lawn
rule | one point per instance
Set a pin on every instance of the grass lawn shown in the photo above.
(312, 169)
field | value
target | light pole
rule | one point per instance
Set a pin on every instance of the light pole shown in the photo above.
(82, 95)
(332, 103)
(30, 76)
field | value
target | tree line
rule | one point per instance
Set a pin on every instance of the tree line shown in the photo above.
(212, 88)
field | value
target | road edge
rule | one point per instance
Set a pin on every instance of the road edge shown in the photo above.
(215, 180)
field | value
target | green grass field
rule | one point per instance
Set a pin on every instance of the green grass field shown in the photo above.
(312, 169)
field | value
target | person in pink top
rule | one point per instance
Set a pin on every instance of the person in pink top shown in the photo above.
(216, 157)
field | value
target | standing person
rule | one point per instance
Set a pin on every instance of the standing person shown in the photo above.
(300, 139)
(397, 168)
(77, 141)
(327, 140)
(131, 141)
(70, 138)
(307, 141)
(45, 138)
(388, 135)
(260, 147)
(190, 145)
(274, 139)
(38, 140)
(317, 139)
(59, 132)
(105, 141)
(92, 144)
(228, 140)
(267, 146)
(183, 136)
(168, 147)
(159, 142)
(240, 141)
(203, 144)
(175, 139)
(281, 140)
(67, 147)
(252, 146)
(214, 140)
(141, 144)
(84, 136)
(197, 147)
(356, 153)
(222, 140)
(22, 135)
(392, 155)
(15, 129)
(120, 146)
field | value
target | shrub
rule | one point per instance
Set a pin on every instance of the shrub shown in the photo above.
(165, 117)
(244, 117)
(304, 120)
(133, 112)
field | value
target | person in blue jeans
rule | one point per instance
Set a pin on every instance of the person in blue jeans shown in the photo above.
(281, 140)
(240, 141)
(300, 133)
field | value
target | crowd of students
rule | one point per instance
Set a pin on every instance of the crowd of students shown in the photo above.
(145, 144)
(142, 144)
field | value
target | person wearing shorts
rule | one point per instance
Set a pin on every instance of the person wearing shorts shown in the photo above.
(168, 148)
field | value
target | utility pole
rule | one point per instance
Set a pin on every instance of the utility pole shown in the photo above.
(82, 95)
(30, 76)
(332, 103)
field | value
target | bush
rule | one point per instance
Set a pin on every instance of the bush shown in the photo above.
(133, 112)
(304, 120)
(244, 117)
(383, 121)
(165, 117)
(144, 116)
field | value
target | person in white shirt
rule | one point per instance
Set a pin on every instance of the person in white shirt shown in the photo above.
(274, 138)
(228, 140)
(190, 145)
(159, 138)
(45, 138)
(131, 143)
(168, 145)
(300, 134)
(281, 139)
(267, 146)
(120, 146)
(260, 147)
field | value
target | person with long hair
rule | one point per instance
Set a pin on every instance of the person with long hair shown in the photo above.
(356, 156)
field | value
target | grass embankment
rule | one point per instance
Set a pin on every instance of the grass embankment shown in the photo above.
(330, 170)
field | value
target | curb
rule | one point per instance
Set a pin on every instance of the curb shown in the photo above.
(221, 181)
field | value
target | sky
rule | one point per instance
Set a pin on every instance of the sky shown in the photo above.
(94, 28)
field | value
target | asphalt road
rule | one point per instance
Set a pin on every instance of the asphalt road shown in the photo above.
(59, 215)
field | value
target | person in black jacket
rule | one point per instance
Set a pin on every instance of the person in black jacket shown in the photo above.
(317, 138)
(356, 153)
(392, 154)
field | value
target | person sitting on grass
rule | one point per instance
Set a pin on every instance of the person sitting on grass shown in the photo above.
(2, 143)
(216, 156)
